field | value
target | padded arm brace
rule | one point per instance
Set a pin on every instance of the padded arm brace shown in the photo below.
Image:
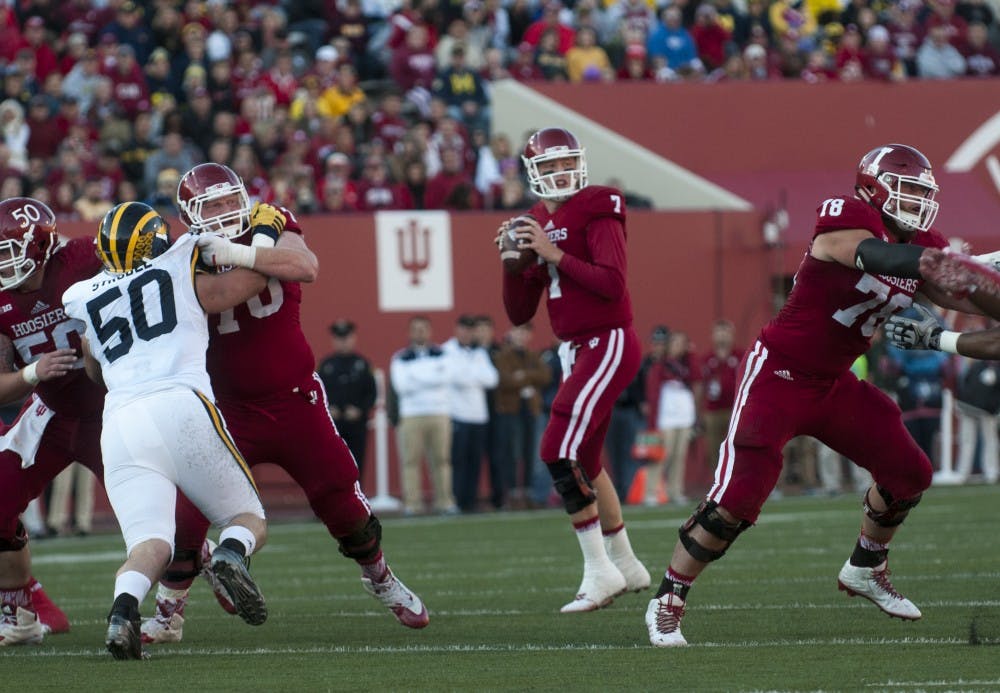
(894, 259)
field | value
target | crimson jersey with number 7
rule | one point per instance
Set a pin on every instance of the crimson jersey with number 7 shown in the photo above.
(587, 292)
(834, 310)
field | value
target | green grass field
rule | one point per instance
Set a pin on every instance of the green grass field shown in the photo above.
(767, 617)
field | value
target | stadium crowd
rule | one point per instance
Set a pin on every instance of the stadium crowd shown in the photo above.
(344, 105)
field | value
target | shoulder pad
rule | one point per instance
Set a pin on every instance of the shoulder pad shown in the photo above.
(601, 201)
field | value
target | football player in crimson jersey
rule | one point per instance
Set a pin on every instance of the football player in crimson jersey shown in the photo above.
(278, 414)
(61, 419)
(869, 255)
(578, 232)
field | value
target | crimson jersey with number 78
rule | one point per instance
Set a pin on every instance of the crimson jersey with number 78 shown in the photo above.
(587, 292)
(257, 349)
(833, 310)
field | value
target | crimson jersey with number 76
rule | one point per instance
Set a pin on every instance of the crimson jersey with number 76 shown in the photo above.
(833, 310)
(587, 292)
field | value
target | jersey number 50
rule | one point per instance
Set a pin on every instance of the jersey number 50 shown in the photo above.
(140, 324)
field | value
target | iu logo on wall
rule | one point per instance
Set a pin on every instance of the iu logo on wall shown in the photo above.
(414, 261)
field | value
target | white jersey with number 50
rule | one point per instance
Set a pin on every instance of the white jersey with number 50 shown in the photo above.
(146, 327)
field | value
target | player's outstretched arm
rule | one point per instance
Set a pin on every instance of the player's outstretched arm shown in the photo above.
(289, 260)
(219, 292)
(15, 384)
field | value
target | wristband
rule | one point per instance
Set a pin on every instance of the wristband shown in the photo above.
(948, 341)
(264, 236)
(30, 375)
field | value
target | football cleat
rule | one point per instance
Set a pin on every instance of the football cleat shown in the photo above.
(218, 589)
(663, 621)
(51, 617)
(230, 570)
(399, 599)
(873, 584)
(21, 629)
(123, 639)
(598, 589)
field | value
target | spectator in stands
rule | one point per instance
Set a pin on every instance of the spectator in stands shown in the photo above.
(44, 137)
(355, 27)
(634, 65)
(93, 205)
(942, 13)
(905, 33)
(421, 376)
(415, 178)
(452, 187)
(791, 18)
(37, 43)
(550, 21)
(879, 58)
(711, 38)
(586, 61)
(513, 192)
(757, 65)
(377, 191)
(128, 82)
(551, 62)
(463, 91)
(174, 153)
(981, 58)
(280, 80)
(162, 198)
(413, 69)
(16, 133)
(672, 44)
(81, 81)
(937, 58)
(129, 29)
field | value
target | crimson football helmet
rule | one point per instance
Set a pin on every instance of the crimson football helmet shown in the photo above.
(550, 144)
(27, 238)
(898, 181)
(211, 197)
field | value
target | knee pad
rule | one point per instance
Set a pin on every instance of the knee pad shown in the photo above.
(707, 516)
(184, 565)
(363, 544)
(18, 541)
(573, 484)
(896, 510)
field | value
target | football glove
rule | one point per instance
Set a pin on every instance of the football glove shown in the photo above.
(218, 251)
(915, 333)
(266, 221)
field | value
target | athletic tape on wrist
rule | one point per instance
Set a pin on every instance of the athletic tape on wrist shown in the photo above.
(30, 374)
(948, 341)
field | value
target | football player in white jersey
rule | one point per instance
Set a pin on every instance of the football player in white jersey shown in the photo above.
(146, 336)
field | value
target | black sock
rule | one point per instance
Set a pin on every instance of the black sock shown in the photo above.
(678, 588)
(235, 545)
(866, 558)
(125, 605)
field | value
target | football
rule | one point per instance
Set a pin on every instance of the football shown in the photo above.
(516, 259)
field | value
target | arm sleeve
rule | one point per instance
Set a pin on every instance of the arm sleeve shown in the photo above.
(521, 294)
(606, 275)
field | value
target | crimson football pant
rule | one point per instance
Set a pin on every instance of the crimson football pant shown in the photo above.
(595, 371)
(294, 431)
(64, 441)
(775, 403)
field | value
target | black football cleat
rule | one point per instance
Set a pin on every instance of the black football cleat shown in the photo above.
(124, 639)
(231, 571)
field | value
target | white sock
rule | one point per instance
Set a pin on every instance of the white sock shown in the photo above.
(618, 546)
(592, 544)
(240, 534)
(132, 582)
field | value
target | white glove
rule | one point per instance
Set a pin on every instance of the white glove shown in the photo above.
(915, 333)
(218, 251)
(991, 259)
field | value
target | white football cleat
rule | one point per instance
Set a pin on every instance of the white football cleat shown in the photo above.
(22, 629)
(598, 589)
(663, 621)
(873, 584)
(162, 629)
(399, 599)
